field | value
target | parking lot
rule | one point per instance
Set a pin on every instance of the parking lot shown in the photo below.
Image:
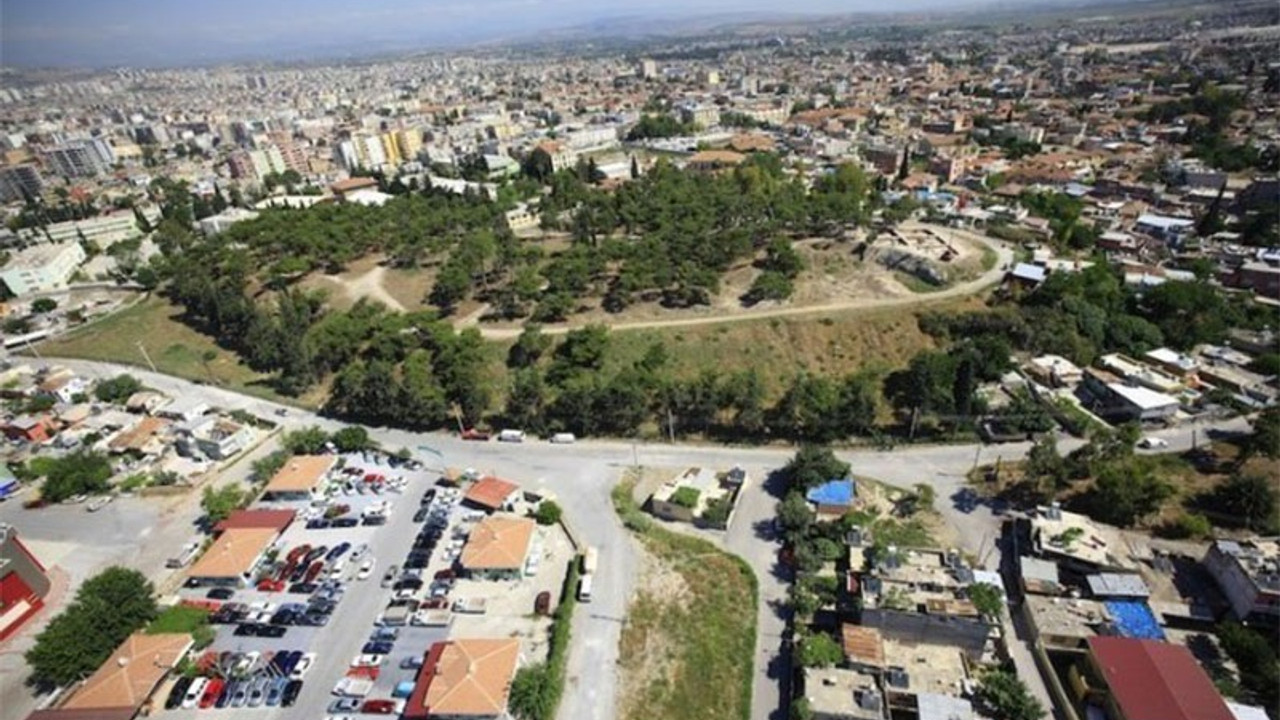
(373, 594)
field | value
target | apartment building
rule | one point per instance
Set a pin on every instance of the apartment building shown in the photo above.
(82, 158)
(41, 267)
(20, 182)
(103, 230)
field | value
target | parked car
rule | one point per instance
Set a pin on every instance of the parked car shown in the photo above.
(1153, 443)
(542, 603)
(411, 662)
(366, 570)
(344, 522)
(564, 438)
(378, 707)
(342, 705)
(474, 434)
(177, 693)
(304, 664)
(389, 576)
(212, 692)
(291, 691)
(303, 588)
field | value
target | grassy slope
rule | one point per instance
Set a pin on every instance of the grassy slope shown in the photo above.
(708, 634)
(175, 349)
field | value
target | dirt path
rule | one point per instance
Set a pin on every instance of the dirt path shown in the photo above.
(368, 285)
(1004, 257)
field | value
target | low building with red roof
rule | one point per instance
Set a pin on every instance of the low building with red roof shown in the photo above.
(1132, 679)
(464, 678)
(491, 493)
(257, 518)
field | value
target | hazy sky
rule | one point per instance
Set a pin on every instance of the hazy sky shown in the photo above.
(162, 32)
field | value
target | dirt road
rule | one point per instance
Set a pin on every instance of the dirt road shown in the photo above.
(1004, 256)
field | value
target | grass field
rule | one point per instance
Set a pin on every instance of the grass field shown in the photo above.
(687, 654)
(880, 339)
(175, 349)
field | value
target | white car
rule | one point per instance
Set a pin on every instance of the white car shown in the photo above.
(304, 664)
(246, 663)
(366, 569)
(368, 660)
(1153, 443)
(360, 551)
(194, 692)
(100, 502)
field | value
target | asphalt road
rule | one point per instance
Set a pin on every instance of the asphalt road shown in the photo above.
(582, 475)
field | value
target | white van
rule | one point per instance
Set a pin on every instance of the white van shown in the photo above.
(584, 588)
(514, 436)
(563, 439)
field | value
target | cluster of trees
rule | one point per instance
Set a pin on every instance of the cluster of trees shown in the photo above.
(1063, 213)
(107, 609)
(117, 389)
(82, 472)
(1254, 654)
(660, 125)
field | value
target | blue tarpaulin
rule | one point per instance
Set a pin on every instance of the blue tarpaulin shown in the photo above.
(1134, 619)
(833, 492)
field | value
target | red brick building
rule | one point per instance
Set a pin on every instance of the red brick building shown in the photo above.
(24, 583)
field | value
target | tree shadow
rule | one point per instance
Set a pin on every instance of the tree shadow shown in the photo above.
(775, 483)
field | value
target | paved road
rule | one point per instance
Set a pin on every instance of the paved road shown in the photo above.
(990, 277)
(582, 476)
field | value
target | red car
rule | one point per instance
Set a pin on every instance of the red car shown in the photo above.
(371, 672)
(447, 574)
(295, 555)
(270, 585)
(474, 434)
(378, 707)
(437, 603)
(314, 571)
(211, 692)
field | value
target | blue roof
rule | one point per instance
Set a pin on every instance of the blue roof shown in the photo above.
(833, 492)
(1133, 619)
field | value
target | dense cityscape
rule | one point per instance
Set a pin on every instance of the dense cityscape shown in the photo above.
(892, 365)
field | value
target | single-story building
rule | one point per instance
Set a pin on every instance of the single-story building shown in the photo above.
(63, 385)
(1109, 398)
(184, 409)
(29, 428)
(233, 557)
(143, 438)
(120, 688)
(298, 479)
(497, 548)
(491, 493)
(146, 401)
(464, 678)
(256, 518)
(1144, 680)
(24, 582)
(219, 438)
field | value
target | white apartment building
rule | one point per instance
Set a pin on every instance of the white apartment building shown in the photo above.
(41, 267)
(82, 158)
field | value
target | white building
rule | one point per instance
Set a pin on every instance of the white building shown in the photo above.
(84, 158)
(215, 224)
(42, 267)
(103, 230)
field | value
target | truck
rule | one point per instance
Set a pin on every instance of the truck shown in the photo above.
(353, 687)
(471, 606)
(590, 561)
(184, 556)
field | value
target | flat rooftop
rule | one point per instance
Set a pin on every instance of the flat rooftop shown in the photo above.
(930, 668)
(1065, 621)
(835, 692)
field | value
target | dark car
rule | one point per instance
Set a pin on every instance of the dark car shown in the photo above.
(377, 647)
(421, 515)
(220, 593)
(290, 661)
(178, 692)
(317, 524)
(247, 630)
(285, 617)
(321, 607)
(378, 707)
(374, 520)
(542, 603)
(228, 690)
(272, 631)
(345, 522)
(314, 619)
(337, 551)
(315, 554)
(303, 588)
(408, 584)
(415, 562)
(291, 693)
(428, 496)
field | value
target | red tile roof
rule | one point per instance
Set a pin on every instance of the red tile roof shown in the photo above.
(490, 492)
(277, 520)
(1153, 680)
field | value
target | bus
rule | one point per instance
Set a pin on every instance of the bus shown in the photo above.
(590, 561)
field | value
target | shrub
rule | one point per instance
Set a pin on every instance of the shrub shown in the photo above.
(548, 513)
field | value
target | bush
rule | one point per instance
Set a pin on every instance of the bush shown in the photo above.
(1187, 525)
(548, 513)
(819, 650)
(686, 497)
(1008, 697)
(117, 389)
(44, 305)
(79, 473)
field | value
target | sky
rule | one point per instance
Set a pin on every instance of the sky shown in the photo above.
(98, 33)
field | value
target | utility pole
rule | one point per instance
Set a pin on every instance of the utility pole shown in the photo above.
(147, 357)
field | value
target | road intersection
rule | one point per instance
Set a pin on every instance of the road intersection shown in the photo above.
(582, 475)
